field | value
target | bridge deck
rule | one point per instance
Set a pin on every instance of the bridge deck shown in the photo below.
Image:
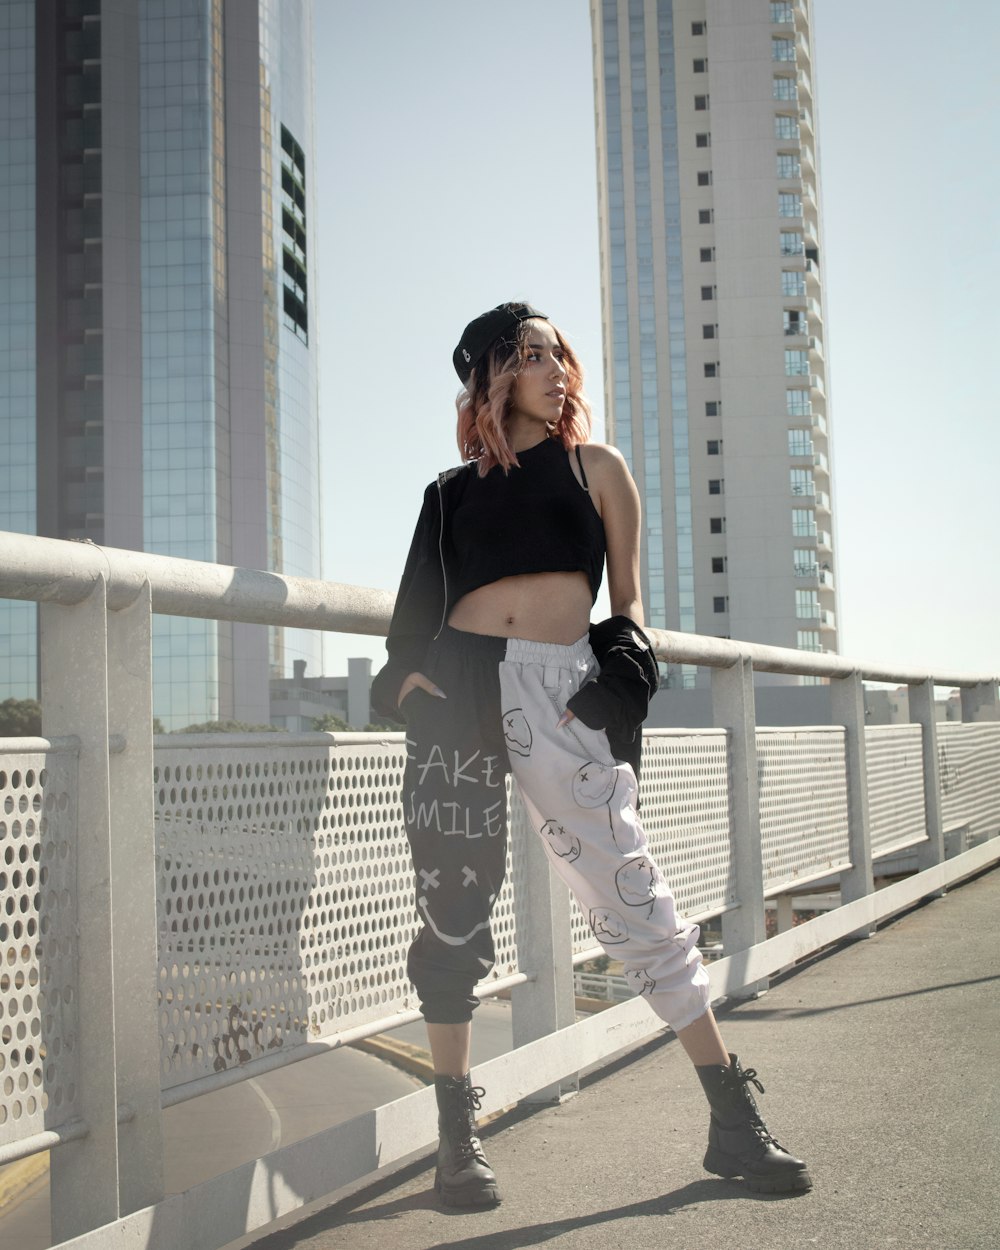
(880, 1064)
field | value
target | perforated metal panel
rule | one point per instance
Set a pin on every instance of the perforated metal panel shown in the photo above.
(803, 803)
(285, 898)
(895, 769)
(38, 1011)
(969, 764)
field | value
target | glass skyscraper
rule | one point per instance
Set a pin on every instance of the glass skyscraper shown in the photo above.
(713, 316)
(161, 244)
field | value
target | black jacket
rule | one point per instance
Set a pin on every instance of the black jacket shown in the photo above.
(616, 701)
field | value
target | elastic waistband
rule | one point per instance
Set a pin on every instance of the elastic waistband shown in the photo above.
(518, 650)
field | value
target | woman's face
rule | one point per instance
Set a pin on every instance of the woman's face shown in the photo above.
(540, 390)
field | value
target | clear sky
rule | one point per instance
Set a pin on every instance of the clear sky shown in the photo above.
(456, 168)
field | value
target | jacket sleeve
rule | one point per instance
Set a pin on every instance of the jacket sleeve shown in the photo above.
(618, 699)
(419, 606)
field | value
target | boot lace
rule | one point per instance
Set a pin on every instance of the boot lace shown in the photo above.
(467, 1146)
(742, 1080)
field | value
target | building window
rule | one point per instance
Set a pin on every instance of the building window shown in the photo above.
(706, 253)
(808, 640)
(782, 50)
(714, 446)
(711, 369)
(708, 292)
(807, 605)
(786, 126)
(793, 282)
(703, 140)
(700, 103)
(797, 403)
(803, 523)
(789, 204)
(713, 407)
(705, 216)
(791, 243)
(700, 65)
(795, 321)
(805, 563)
(704, 177)
(708, 332)
(781, 12)
(784, 88)
(800, 443)
(698, 28)
(796, 362)
(718, 564)
(295, 300)
(802, 483)
(717, 524)
(720, 603)
(788, 165)
(715, 485)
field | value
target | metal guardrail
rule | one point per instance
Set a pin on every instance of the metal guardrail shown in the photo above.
(116, 850)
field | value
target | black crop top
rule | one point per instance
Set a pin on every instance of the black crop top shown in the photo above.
(535, 519)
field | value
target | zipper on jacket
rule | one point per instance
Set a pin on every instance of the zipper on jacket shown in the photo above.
(444, 571)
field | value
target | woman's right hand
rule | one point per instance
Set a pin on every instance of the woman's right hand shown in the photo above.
(412, 682)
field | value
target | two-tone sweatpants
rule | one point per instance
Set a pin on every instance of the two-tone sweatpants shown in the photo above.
(504, 700)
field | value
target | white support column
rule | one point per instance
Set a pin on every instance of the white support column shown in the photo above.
(74, 688)
(733, 710)
(546, 1003)
(930, 852)
(133, 874)
(981, 703)
(847, 697)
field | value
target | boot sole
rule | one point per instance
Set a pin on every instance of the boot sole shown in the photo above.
(487, 1196)
(720, 1164)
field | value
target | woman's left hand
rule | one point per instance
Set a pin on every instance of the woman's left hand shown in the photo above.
(565, 719)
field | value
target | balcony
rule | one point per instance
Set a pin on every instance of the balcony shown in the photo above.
(820, 462)
(818, 422)
(814, 309)
(822, 501)
(812, 272)
(817, 385)
(816, 344)
(806, 120)
(827, 619)
(823, 540)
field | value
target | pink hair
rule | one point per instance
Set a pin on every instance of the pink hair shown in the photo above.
(484, 404)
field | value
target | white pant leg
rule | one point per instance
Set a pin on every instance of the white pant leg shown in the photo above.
(582, 804)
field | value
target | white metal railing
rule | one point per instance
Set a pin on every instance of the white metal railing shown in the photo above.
(180, 918)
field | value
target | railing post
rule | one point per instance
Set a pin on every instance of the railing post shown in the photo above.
(981, 703)
(930, 852)
(546, 1003)
(847, 698)
(733, 710)
(133, 874)
(74, 689)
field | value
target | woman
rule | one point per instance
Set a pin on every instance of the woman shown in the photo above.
(492, 666)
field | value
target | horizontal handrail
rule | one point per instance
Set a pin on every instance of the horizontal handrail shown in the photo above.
(52, 570)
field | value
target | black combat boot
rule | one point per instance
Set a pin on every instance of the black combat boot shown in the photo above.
(739, 1143)
(463, 1177)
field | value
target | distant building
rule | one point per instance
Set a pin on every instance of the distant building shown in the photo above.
(712, 299)
(158, 388)
(299, 700)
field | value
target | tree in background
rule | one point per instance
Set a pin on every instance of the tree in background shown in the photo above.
(20, 718)
(328, 723)
(229, 727)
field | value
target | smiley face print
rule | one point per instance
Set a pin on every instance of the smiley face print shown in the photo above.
(608, 926)
(594, 784)
(517, 732)
(562, 843)
(637, 881)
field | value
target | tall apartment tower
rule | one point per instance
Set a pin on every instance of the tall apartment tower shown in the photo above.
(158, 382)
(712, 308)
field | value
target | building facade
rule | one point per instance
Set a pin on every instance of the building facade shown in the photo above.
(712, 306)
(161, 373)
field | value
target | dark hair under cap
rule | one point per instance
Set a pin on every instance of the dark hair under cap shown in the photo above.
(480, 335)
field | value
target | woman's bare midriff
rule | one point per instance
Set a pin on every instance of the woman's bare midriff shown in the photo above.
(542, 607)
